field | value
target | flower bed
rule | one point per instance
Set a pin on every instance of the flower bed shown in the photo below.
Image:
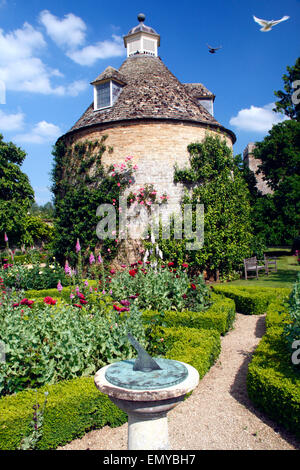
(76, 406)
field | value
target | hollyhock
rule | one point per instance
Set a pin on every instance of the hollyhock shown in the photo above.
(99, 259)
(77, 247)
(91, 258)
(59, 286)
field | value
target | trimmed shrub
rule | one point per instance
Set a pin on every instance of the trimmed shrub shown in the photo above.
(76, 406)
(253, 300)
(273, 383)
(219, 317)
(73, 407)
(199, 348)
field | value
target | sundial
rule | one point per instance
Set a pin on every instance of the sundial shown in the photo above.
(145, 372)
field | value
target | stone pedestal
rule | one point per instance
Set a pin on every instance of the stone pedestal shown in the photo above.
(147, 409)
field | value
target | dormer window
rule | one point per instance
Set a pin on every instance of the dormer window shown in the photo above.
(107, 88)
(208, 104)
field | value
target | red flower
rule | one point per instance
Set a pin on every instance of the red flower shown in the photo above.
(77, 305)
(132, 272)
(112, 271)
(185, 265)
(50, 301)
(193, 286)
(16, 305)
(140, 262)
(83, 302)
(81, 296)
(116, 307)
(170, 264)
(27, 302)
(184, 296)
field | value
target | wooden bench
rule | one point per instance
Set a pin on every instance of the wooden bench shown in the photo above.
(252, 264)
(270, 262)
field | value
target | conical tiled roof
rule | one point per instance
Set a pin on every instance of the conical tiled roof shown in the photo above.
(151, 92)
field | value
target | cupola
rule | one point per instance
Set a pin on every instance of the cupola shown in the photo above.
(142, 39)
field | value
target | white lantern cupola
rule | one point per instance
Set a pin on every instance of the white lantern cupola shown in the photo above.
(142, 39)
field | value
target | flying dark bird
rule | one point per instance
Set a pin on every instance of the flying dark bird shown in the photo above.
(212, 50)
(268, 24)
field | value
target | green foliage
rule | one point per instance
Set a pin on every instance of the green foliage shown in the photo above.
(16, 193)
(30, 441)
(292, 330)
(49, 343)
(272, 382)
(217, 184)
(276, 217)
(219, 316)
(80, 184)
(199, 348)
(45, 211)
(73, 407)
(160, 289)
(34, 276)
(286, 104)
(252, 300)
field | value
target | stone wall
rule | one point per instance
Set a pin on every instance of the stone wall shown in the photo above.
(155, 148)
(253, 164)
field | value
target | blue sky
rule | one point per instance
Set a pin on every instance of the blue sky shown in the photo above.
(50, 51)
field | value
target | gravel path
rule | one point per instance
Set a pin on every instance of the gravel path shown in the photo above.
(219, 414)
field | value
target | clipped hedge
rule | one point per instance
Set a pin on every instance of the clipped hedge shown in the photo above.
(199, 348)
(76, 406)
(73, 407)
(253, 300)
(273, 383)
(220, 316)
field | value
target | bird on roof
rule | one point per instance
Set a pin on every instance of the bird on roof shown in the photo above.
(267, 25)
(212, 50)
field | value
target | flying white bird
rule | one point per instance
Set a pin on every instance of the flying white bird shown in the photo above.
(268, 24)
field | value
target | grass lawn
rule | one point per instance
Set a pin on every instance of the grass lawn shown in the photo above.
(287, 270)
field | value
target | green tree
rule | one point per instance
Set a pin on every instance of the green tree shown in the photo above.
(277, 216)
(217, 184)
(289, 99)
(16, 193)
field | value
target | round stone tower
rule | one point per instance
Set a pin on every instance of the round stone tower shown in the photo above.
(147, 113)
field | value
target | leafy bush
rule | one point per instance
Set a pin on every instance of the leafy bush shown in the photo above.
(252, 300)
(161, 289)
(219, 317)
(34, 276)
(78, 406)
(73, 407)
(272, 381)
(292, 330)
(48, 343)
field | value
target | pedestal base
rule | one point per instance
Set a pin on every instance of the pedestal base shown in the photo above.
(147, 409)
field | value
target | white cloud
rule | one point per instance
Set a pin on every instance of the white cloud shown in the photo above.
(11, 122)
(22, 70)
(101, 50)
(256, 119)
(69, 32)
(43, 132)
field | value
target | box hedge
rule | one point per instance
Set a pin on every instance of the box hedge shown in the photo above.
(76, 406)
(253, 300)
(273, 383)
(220, 316)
